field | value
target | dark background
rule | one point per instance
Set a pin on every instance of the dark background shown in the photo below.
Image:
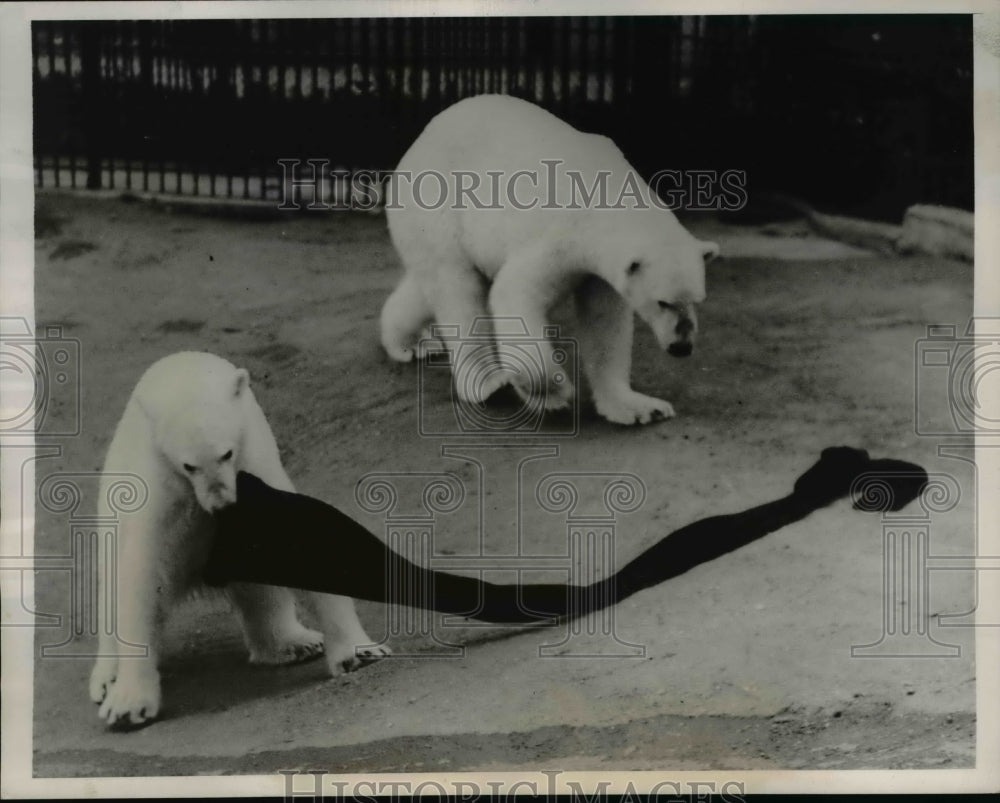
(857, 114)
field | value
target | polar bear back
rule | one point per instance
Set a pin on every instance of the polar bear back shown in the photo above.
(502, 134)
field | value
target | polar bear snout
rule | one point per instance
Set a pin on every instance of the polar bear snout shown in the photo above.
(684, 344)
(214, 496)
(680, 348)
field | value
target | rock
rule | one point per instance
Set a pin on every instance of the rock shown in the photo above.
(938, 230)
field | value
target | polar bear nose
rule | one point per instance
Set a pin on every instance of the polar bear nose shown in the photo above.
(222, 496)
(680, 348)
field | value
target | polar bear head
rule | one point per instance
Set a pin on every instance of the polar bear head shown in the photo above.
(198, 408)
(663, 279)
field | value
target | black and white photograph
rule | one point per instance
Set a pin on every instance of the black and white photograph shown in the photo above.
(455, 398)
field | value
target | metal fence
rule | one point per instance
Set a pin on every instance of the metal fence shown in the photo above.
(209, 107)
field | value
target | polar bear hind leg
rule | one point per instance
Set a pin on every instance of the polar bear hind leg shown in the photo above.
(524, 291)
(405, 315)
(460, 294)
(273, 633)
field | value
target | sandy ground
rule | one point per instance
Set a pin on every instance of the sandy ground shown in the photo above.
(747, 660)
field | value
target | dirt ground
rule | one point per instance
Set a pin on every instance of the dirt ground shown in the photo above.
(747, 660)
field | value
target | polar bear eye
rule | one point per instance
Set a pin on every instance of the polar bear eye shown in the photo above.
(189, 468)
(667, 305)
(634, 268)
(227, 456)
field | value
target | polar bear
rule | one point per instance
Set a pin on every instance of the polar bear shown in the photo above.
(190, 425)
(490, 215)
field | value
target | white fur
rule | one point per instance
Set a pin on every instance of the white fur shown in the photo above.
(195, 411)
(461, 265)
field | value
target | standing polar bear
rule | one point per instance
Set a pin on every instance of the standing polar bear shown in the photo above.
(190, 425)
(497, 209)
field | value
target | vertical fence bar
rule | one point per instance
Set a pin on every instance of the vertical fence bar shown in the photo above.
(413, 83)
(477, 56)
(496, 55)
(111, 92)
(365, 30)
(195, 68)
(292, 28)
(489, 55)
(565, 32)
(128, 87)
(90, 66)
(217, 79)
(455, 53)
(485, 54)
(36, 77)
(182, 96)
(50, 55)
(468, 57)
(68, 37)
(463, 57)
(386, 62)
(438, 54)
(365, 54)
(619, 64)
(166, 74)
(443, 48)
(599, 64)
(267, 35)
(548, 61)
(146, 82)
(238, 72)
(512, 63)
(253, 75)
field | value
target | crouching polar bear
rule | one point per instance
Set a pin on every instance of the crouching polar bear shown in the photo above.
(190, 425)
(525, 238)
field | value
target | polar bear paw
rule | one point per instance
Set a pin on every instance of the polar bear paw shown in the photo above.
(556, 393)
(302, 646)
(131, 701)
(631, 408)
(101, 678)
(346, 658)
(428, 343)
(475, 387)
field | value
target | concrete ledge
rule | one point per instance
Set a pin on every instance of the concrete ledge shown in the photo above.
(927, 229)
(938, 230)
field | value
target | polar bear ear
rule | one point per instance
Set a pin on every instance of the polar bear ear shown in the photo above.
(709, 250)
(242, 382)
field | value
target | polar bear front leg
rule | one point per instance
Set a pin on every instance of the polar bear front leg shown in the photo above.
(605, 335)
(523, 291)
(133, 696)
(348, 647)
